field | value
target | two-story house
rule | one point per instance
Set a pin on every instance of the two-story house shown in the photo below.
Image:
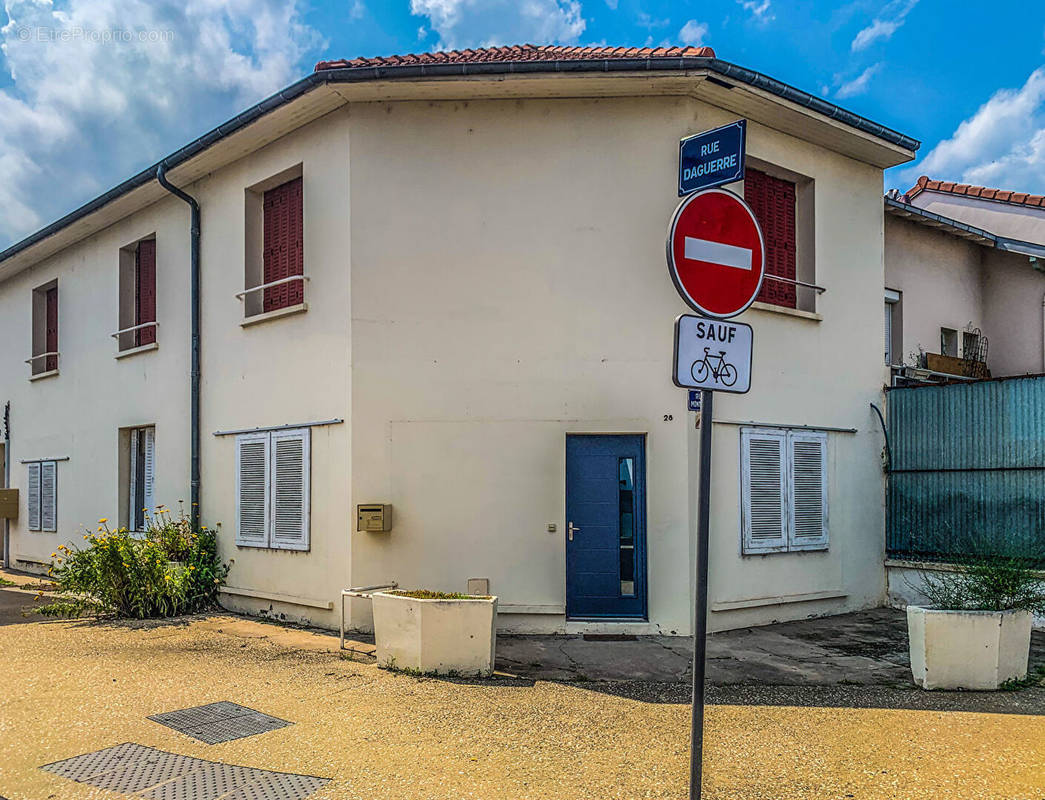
(438, 282)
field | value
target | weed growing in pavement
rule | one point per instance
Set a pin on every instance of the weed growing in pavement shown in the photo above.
(1035, 678)
(169, 569)
(6, 582)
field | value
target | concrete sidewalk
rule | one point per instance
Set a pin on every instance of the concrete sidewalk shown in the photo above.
(867, 648)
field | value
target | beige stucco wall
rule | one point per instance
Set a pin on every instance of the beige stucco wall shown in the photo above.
(1014, 313)
(951, 282)
(485, 278)
(941, 279)
(509, 288)
(78, 413)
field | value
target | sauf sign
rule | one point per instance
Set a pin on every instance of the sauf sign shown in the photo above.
(716, 258)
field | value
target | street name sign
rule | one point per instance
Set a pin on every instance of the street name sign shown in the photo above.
(716, 253)
(712, 158)
(712, 354)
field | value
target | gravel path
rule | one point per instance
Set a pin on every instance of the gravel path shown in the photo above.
(73, 687)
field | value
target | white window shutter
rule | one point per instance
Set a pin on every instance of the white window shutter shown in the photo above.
(33, 496)
(807, 454)
(149, 471)
(49, 496)
(252, 494)
(764, 490)
(290, 489)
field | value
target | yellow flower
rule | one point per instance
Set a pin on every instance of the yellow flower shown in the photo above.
(102, 521)
(100, 529)
(86, 536)
(54, 555)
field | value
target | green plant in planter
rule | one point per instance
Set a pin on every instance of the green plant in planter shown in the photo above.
(989, 574)
(169, 569)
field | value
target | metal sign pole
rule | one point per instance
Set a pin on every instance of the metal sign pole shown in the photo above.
(700, 628)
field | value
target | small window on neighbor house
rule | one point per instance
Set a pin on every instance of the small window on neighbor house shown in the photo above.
(141, 476)
(783, 490)
(45, 329)
(893, 346)
(273, 475)
(42, 495)
(948, 342)
(275, 245)
(138, 294)
(774, 203)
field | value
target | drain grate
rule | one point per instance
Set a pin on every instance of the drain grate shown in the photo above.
(219, 722)
(154, 774)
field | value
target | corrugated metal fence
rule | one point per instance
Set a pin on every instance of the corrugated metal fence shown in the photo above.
(967, 461)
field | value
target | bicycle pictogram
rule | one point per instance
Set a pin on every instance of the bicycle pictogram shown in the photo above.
(721, 370)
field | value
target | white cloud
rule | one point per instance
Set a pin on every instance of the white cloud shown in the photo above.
(358, 10)
(1001, 145)
(487, 23)
(884, 25)
(693, 33)
(759, 9)
(857, 85)
(611, 4)
(101, 88)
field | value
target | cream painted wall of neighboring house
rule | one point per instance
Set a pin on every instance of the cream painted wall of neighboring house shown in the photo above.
(1011, 220)
(1014, 313)
(78, 413)
(509, 288)
(950, 282)
(941, 278)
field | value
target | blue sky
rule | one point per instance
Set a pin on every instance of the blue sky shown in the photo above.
(93, 90)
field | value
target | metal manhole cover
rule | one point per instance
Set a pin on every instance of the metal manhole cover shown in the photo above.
(219, 722)
(154, 774)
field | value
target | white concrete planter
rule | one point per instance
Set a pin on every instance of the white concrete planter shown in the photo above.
(968, 649)
(435, 636)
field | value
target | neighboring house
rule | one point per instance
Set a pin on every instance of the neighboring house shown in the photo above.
(962, 295)
(438, 282)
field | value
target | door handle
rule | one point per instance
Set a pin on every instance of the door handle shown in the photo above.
(570, 530)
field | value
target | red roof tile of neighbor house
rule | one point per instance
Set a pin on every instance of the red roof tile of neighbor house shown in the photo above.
(1003, 195)
(520, 52)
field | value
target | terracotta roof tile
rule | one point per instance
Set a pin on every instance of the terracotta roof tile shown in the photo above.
(519, 52)
(925, 184)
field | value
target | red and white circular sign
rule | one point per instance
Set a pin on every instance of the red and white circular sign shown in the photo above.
(716, 254)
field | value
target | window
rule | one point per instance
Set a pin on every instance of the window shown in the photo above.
(275, 261)
(43, 495)
(45, 329)
(141, 476)
(773, 201)
(137, 295)
(783, 490)
(893, 328)
(948, 342)
(272, 489)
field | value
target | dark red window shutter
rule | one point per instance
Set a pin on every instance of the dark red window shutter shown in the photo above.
(773, 201)
(51, 339)
(283, 252)
(145, 291)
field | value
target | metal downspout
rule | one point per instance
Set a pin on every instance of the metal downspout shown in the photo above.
(194, 375)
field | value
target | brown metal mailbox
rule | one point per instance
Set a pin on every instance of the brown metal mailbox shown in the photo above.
(8, 504)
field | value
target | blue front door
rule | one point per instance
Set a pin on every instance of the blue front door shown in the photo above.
(605, 526)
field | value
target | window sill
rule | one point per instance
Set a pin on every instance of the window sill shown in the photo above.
(133, 351)
(812, 316)
(51, 373)
(271, 315)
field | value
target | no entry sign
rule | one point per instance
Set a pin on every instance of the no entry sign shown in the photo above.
(716, 253)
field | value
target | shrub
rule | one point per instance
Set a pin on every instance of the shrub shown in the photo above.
(990, 574)
(169, 569)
